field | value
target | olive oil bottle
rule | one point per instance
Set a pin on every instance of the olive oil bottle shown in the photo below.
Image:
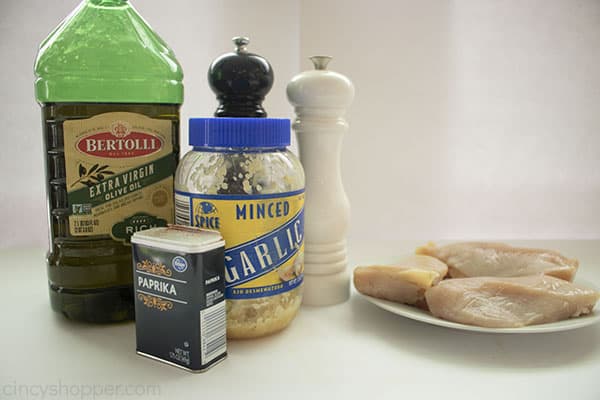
(110, 90)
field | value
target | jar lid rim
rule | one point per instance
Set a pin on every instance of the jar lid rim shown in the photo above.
(239, 132)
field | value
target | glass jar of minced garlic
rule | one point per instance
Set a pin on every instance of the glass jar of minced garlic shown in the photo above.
(240, 179)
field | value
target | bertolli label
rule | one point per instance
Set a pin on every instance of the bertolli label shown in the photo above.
(119, 171)
(120, 142)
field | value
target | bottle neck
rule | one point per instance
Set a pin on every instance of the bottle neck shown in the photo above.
(108, 3)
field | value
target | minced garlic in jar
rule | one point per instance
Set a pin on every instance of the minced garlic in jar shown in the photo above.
(241, 180)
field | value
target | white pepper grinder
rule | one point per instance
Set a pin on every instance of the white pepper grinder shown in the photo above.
(320, 98)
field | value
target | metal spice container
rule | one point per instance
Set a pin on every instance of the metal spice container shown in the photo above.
(179, 286)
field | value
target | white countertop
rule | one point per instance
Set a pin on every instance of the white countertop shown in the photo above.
(352, 350)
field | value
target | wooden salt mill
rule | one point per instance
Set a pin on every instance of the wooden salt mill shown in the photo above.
(320, 98)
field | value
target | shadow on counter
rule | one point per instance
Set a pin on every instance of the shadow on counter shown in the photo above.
(540, 350)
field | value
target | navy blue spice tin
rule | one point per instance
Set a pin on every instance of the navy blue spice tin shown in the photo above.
(179, 285)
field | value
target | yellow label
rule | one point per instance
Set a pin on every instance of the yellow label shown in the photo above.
(264, 238)
(119, 174)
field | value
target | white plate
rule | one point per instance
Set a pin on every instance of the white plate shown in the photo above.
(421, 315)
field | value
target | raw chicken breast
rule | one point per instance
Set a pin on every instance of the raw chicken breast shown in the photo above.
(498, 259)
(405, 282)
(509, 302)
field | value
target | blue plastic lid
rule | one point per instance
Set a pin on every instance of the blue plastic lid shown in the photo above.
(239, 132)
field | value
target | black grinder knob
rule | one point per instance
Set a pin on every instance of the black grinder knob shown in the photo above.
(241, 80)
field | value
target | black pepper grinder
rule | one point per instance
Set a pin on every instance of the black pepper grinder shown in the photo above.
(241, 80)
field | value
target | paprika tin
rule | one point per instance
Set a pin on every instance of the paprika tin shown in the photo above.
(179, 285)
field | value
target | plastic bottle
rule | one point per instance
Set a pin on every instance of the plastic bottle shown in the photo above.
(110, 90)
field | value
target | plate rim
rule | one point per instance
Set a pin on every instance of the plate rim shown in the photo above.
(420, 315)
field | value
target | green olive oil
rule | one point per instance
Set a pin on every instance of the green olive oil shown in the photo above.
(110, 91)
